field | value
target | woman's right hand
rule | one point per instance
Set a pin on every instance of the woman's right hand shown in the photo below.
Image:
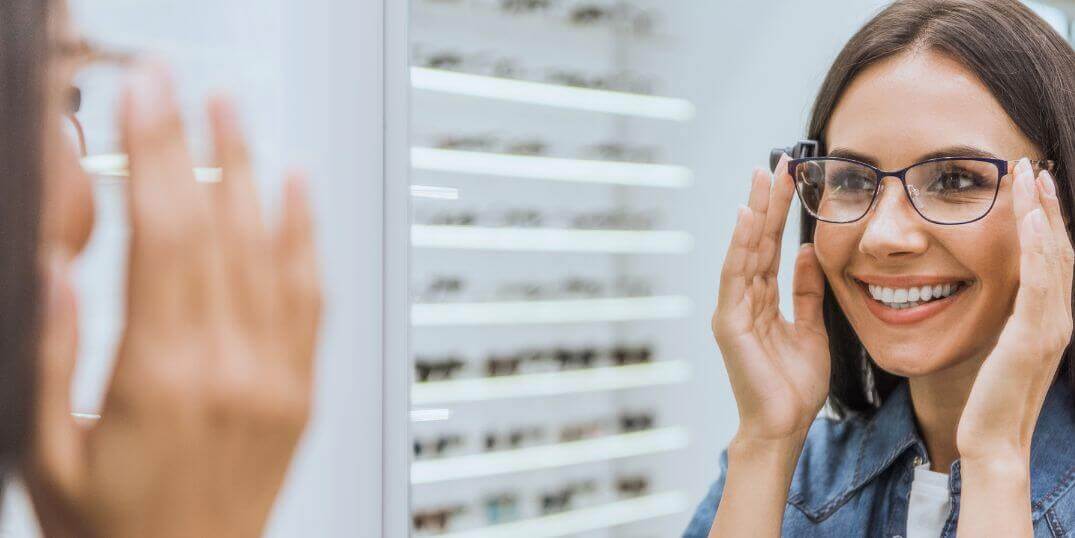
(779, 370)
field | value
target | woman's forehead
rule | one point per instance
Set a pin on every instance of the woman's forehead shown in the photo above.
(912, 103)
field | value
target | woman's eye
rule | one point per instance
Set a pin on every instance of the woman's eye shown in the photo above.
(851, 182)
(954, 180)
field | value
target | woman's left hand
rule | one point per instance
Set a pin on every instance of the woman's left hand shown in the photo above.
(998, 420)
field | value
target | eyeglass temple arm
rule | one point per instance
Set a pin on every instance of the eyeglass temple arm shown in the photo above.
(805, 148)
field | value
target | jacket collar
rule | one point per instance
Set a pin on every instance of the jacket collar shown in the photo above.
(892, 430)
(889, 433)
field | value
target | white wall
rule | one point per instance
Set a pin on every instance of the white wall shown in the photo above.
(754, 71)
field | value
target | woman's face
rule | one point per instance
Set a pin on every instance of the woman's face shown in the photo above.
(895, 112)
(68, 195)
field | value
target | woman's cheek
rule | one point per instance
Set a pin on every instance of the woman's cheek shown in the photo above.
(833, 249)
(68, 209)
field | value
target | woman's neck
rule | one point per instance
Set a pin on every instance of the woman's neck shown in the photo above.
(938, 401)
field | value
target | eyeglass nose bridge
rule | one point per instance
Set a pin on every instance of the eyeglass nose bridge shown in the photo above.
(910, 192)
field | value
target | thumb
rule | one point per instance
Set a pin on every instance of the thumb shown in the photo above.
(808, 291)
(56, 443)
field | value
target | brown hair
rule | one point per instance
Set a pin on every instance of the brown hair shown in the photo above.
(23, 57)
(1030, 70)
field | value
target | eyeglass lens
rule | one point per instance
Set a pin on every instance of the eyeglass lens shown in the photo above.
(945, 191)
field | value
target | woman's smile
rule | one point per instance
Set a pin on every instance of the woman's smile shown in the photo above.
(910, 299)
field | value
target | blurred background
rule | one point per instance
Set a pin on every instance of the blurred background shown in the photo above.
(523, 207)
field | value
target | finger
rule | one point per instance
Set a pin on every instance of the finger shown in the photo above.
(1027, 198)
(237, 214)
(776, 217)
(1024, 192)
(808, 291)
(1046, 188)
(758, 203)
(168, 212)
(233, 154)
(1035, 280)
(1061, 240)
(734, 278)
(300, 282)
(57, 440)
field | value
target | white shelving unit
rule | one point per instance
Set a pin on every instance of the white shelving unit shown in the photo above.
(538, 93)
(551, 240)
(551, 384)
(587, 519)
(551, 168)
(550, 312)
(601, 449)
(566, 121)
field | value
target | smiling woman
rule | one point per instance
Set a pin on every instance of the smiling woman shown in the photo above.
(932, 293)
(958, 100)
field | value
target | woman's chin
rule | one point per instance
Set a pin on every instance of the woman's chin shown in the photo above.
(910, 361)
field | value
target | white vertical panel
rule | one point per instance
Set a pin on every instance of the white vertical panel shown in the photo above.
(396, 442)
(333, 80)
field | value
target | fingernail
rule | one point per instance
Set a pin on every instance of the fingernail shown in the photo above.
(151, 88)
(1037, 219)
(1026, 178)
(1023, 166)
(228, 114)
(300, 185)
(1047, 183)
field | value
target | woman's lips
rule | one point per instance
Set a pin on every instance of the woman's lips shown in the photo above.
(905, 316)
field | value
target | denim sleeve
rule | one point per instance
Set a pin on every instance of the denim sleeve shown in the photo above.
(707, 509)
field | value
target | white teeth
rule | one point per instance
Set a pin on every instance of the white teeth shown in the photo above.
(900, 298)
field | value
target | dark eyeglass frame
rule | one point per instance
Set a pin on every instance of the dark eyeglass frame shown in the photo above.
(86, 52)
(1003, 167)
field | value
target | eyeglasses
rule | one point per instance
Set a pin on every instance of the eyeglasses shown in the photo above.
(101, 70)
(632, 486)
(436, 520)
(945, 190)
(436, 447)
(502, 508)
(437, 370)
(84, 55)
(77, 133)
(562, 499)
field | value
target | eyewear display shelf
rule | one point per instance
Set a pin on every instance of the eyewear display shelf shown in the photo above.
(551, 444)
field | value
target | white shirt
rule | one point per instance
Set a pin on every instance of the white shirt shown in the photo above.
(929, 504)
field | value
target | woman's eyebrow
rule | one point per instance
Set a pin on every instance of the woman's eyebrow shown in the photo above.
(950, 151)
(958, 151)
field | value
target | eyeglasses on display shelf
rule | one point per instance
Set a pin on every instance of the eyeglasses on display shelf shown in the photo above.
(535, 318)
(618, 15)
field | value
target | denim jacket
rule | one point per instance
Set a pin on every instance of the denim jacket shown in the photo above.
(854, 475)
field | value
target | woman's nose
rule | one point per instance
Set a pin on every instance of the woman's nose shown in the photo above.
(893, 228)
